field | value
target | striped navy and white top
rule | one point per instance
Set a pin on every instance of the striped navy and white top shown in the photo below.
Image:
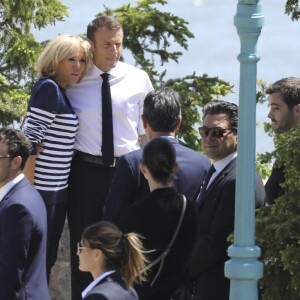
(51, 120)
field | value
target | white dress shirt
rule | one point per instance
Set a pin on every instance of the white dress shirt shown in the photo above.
(129, 87)
(6, 188)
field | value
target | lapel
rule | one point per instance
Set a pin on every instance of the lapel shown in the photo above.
(218, 181)
(12, 190)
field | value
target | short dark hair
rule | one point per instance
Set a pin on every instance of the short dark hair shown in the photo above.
(17, 143)
(159, 156)
(102, 21)
(288, 88)
(162, 110)
(223, 107)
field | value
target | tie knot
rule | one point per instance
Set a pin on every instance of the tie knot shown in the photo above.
(105, 76)
(211, 170)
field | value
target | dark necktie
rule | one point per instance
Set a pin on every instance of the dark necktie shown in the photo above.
(210, 172)
(107, 123)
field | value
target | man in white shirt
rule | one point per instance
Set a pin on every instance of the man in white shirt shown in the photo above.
(216, 201)
(90, 176)
(23, 224)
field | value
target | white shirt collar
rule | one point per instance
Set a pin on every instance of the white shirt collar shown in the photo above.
(221, 164)
(117, 71)
(95, 282)
(166, 136)
(6, 188)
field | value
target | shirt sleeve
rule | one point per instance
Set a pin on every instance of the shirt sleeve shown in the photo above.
(41, 112)
(148, 89)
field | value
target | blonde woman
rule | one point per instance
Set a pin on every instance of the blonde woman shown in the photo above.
(51, 122)
(114, 259)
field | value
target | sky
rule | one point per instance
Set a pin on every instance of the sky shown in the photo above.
(216, 45)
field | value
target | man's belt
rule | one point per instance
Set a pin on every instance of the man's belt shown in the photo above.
(93, 159)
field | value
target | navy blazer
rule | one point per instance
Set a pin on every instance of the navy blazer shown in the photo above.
(111, 287)
(215, 223)
(129, 184)
(23, 233)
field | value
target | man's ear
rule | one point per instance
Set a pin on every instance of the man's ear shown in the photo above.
(145, 124)
(175, 168)
(296, 109)
(16, 162)
(178, 123)
(93, 47)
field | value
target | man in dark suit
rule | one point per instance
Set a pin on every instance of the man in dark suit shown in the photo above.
(22, 224)
(216, 201)
(284, 102)
(161, 118)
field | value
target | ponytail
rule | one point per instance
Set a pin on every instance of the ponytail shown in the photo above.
(134, 263)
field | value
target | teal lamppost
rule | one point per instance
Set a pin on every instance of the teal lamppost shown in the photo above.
(244, 269)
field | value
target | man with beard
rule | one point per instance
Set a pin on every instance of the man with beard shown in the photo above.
(284, 102)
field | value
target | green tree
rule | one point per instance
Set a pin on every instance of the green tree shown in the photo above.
(19, 50)
(278, 226)
(150, 36)
(292, 9)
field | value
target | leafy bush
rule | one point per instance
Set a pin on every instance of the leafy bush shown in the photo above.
(278, 226)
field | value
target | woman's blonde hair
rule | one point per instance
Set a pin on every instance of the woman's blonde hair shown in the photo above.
(123, 252)
(61, 47)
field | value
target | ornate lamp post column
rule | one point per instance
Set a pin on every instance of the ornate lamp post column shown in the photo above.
(244, 269)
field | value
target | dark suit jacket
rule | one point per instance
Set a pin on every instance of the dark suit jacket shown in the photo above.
(112, 287)
(129, 184)
(273, 185)
(23, 225)
(156, 218)
(215, 223)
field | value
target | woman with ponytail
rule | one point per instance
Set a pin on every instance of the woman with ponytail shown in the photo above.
(114, 259)
(167, 221)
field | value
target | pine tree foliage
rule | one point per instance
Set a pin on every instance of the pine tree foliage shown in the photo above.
(292, 9)
(19, 50)
(151, 35)
(195, 92)
(278, 226)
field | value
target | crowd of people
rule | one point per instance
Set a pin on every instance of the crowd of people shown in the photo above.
(148, 217)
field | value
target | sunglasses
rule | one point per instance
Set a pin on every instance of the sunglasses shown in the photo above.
(81, 247)
(216, 132)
